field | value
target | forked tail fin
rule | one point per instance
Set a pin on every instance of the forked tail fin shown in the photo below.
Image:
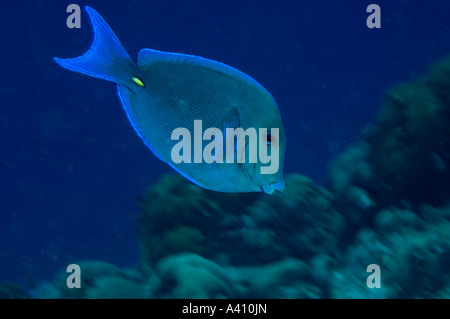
(106, 58)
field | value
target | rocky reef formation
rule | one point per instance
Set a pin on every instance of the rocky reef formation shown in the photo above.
(404, 157)
(178, 216)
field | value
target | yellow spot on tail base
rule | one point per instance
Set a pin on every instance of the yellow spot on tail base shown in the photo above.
(137, 81)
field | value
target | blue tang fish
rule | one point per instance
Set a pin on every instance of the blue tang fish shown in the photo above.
(170, 97)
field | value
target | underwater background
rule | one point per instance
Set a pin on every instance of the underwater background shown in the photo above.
(366, 114)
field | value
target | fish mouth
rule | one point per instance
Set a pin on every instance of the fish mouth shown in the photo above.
(272, 187)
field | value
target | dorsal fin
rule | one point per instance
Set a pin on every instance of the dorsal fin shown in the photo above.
(147, 57)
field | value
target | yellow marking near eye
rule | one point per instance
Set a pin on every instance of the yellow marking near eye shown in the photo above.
(137, 81)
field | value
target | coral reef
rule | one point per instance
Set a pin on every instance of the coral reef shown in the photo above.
(300, 222)
(191, 276)
(404, 157)
(176, 216)
(413, 254)
(393, 187)
(99, 280)
(200, 244)
(296, 223)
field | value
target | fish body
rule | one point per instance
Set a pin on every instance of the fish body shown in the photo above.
(166, 91)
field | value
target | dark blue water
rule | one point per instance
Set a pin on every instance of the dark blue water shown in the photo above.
(71, 167)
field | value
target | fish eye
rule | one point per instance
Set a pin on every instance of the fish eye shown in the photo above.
(269, 138)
